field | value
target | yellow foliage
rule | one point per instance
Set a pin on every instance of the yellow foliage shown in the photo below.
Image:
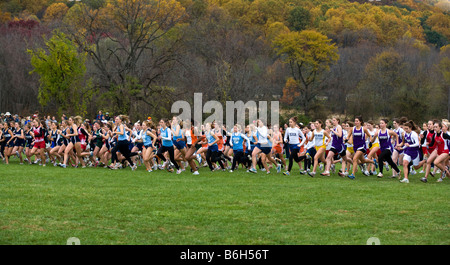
(389, 23)
(4, 17)
(237, 8)
(267, 11)
(308, 47)
(421, 46)
(34, 6)
(275, 29)
(440, 23)
(445, 50)
(444, 67)
(55, 11)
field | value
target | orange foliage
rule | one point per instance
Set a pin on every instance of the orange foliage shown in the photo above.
(291, 90)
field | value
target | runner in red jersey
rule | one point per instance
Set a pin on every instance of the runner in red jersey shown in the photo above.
(39, 143)
(440, 153)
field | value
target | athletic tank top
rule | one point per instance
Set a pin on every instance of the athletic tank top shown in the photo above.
(428, 138)
(147, 138)
(359, 138)
(54, 137)
(193, 136)
(211, 139)
(441, 143)
(385, 140)
(319, 138)
(372, 133)
(337, 142)
(180, 135)
(7, 135)
(399, 131)
(82, 135)
(28, 137)
(413, 152)
(122, 137)
(238, 141)
(220, 143)
(38, 135)
(165, 133)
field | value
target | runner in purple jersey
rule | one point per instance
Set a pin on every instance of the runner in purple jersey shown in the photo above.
(410, 146)
(385, 136)
(358, 134)
(337, 146)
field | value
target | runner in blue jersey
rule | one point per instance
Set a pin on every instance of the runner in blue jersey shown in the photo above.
(167, 145)
(237, 143)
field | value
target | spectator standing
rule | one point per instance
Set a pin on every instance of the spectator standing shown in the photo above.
(8, 117)
(107, 117)
(100, 116)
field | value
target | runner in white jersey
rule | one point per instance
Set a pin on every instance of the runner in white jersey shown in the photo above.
(137, 140)
(397, 155)
(319, 135)
(292, 137)
(262, 148)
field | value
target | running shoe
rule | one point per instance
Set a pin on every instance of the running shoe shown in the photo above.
(404, 180)
(252, 170)
(311, 174)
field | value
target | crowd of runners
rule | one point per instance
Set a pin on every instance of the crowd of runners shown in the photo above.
(373, 147)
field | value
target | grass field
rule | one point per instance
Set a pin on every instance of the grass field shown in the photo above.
(48, 205)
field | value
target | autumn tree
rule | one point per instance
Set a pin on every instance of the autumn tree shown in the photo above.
(55, 11)
(131, 45)
(290, 91)
(299, 18)
(4, 17)
(19, 90)
(309, 55)
(444, 68)
(61, 70)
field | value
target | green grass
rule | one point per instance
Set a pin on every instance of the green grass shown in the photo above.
(99, 206)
